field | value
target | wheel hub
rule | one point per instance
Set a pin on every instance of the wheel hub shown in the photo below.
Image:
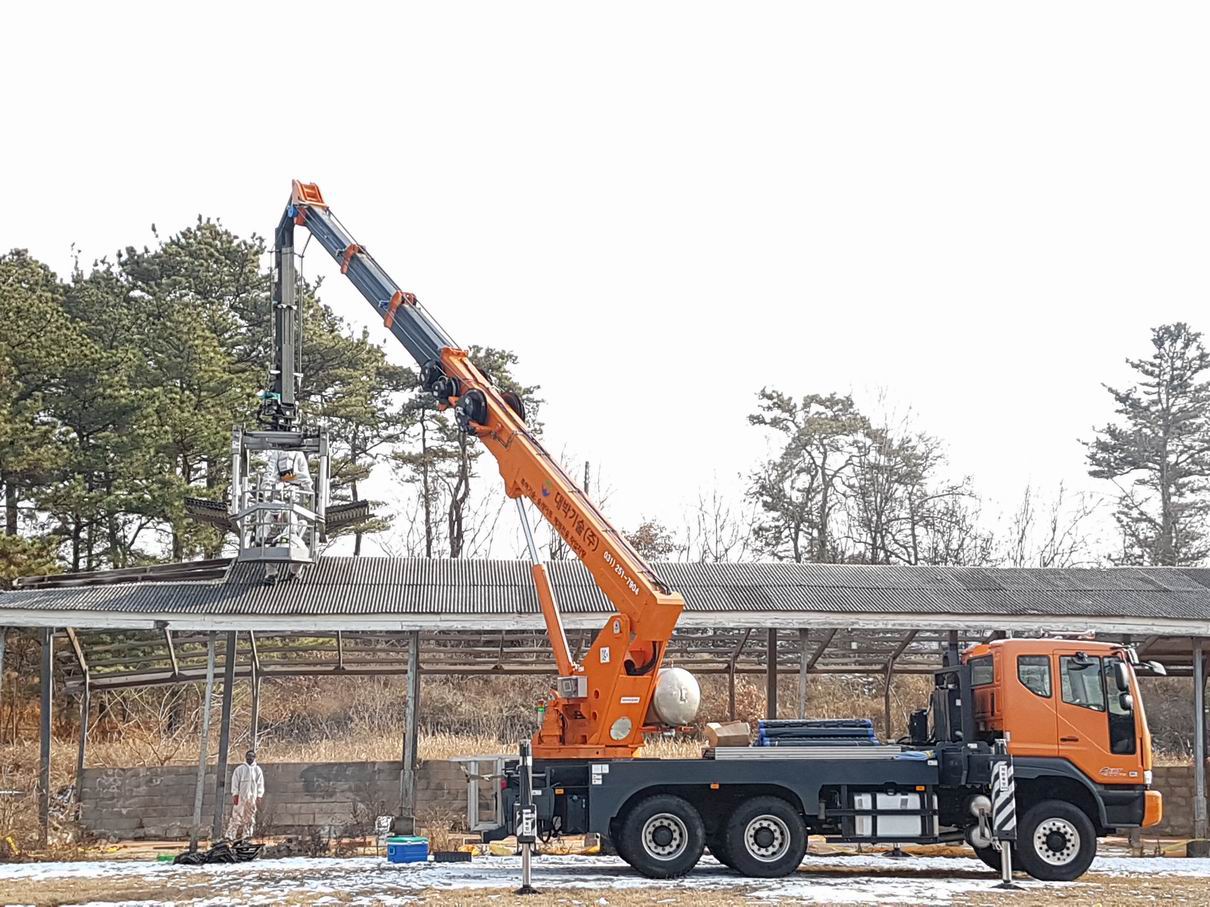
(665, 836)
(767, 838)
(1057, 841)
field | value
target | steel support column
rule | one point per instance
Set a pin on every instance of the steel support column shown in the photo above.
(771, 676)
(224, 738)
(254, 718)
(254, 733)
(411, 738)
(886, 699)
(802, 674)
(176, 667)
(890, 676)
(85, 709)
(44, 716)
(1199, 740)
(731, 673)
(203, 745)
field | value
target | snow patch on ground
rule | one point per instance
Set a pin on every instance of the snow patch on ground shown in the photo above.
(832, 879)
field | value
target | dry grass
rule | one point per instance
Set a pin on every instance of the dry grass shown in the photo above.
(361, 719)
(347, 719)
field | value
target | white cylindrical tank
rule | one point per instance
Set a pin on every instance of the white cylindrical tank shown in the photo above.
(677, 697)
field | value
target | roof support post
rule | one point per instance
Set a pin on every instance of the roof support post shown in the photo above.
(1199, 739)
(254, 719)
(771, 675)
(77, 650)
(176, 668)
(890, 673)
(82, 752)
(731, 673)
(411, 734)
(224, 738)
(44, 710)
(802, 673)
(886, 697)
(203, 746)
(731, 691)
(818, 653)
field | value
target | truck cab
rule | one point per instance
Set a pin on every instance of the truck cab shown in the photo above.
(1072, 713)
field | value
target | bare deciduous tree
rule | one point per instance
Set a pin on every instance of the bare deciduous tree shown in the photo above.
(1057, 533)
(718, 530)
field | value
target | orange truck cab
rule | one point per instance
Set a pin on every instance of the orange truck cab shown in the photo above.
(1072, 713)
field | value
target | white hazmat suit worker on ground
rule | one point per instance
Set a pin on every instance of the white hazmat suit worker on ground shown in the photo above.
(247, 788)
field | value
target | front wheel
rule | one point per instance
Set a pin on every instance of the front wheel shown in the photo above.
(662, 837)
(1056, 842)
(766, 838)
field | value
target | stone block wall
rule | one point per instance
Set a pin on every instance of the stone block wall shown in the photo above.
(334, 797)
(345, 797)
(1175, 782)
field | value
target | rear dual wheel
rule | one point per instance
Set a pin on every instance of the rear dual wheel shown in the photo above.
(662, 837)
(765, 838)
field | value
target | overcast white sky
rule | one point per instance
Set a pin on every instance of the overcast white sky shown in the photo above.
(661, 207)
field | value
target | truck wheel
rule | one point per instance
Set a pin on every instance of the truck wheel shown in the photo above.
(664, 837)
(1055, 841)
(766, 838)
(717, 845)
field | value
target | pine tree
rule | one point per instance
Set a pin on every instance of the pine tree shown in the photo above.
(36, 345)
(799, 490)
(1158, 453)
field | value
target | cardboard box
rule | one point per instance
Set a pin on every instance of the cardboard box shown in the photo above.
(729, 733)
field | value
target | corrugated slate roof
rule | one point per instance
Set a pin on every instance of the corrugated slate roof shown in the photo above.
(337, 586)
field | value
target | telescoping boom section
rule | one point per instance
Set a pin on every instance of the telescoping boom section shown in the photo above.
(602, 704)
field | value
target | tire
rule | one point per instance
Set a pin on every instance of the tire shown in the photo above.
(1056, 842)
(662, 837)
(991, 857)
(717, 845)
(766, 838)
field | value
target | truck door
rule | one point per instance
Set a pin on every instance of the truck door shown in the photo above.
(1030, 704)
(1096, 726)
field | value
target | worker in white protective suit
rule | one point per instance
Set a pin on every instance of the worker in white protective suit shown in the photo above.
(285, 476)
(247, 788)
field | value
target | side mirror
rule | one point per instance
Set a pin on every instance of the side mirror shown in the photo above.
(1121, 676)
(1126, 702)
(1157, 669)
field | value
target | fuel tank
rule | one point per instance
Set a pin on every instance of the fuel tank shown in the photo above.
(677, 697)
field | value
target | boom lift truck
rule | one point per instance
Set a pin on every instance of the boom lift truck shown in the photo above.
(1071, 710)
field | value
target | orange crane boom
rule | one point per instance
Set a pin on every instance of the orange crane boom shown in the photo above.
(602, 705)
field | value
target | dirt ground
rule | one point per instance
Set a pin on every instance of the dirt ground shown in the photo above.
(577, 881)
(1095, 889)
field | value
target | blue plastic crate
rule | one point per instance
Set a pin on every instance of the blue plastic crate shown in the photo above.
(407, 849)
